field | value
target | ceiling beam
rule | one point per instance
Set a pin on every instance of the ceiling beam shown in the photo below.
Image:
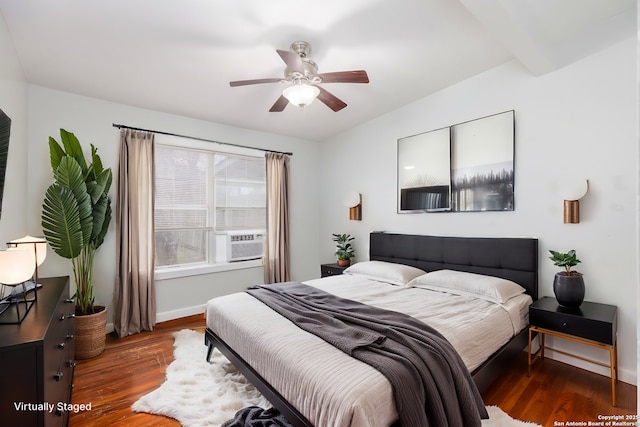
(512, 26)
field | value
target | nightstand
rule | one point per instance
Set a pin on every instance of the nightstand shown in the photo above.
(592, 324)
(331, 270)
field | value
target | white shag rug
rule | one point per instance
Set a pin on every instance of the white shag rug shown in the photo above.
(197, 393)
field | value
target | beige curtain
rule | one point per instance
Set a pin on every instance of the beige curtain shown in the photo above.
(276, 257)
(134, 296)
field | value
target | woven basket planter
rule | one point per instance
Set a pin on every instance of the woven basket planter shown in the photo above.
(90, 333)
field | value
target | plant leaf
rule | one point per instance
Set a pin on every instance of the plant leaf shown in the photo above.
(61, 221)
(96, 162)
(99, 187)
(101, 219)
(73, 148)
(69, 175)
(56, 153)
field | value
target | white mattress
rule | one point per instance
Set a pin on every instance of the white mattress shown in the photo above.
(329, 387)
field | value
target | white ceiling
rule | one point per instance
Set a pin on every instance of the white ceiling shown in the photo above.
(178, 56)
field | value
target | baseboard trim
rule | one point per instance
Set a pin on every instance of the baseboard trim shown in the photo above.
(171, 315)
(625, 375)
(182, 312)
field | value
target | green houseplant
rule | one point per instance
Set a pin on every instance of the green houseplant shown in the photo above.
(568, 285)
(75, 218)
(344, 249)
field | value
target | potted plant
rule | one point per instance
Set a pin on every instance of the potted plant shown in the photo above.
(344, 250)
(75, 217)
(568, 285)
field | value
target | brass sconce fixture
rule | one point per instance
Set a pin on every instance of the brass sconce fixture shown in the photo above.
(572, 203)
(354, 202)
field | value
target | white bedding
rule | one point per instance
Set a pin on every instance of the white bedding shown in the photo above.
(329, 387)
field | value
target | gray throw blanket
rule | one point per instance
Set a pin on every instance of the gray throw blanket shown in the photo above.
(431, 384)
(254, 416)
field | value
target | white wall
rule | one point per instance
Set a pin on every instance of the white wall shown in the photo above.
(91, 121)
(577, 122)
(13, 101)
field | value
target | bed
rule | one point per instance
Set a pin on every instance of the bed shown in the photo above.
(313, 383)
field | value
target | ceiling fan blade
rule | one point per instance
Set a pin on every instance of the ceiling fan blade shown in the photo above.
(330, 100)
(253, 82)
(292, 59)
(359, 76)
(279, 105)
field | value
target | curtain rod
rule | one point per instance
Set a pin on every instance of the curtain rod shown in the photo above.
(201, 139)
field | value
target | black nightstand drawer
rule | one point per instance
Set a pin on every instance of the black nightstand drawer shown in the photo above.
(592, 321)
(330, 270)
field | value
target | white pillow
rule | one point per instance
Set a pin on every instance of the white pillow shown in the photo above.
(397, 274)
(494, 289)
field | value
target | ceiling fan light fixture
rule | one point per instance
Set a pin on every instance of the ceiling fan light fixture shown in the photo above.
(301, 94)
(301, 73)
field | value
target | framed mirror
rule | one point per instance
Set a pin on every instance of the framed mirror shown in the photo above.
(424, 173)
(5, 129)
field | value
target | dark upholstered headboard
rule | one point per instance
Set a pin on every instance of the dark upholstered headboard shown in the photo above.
(511, 258)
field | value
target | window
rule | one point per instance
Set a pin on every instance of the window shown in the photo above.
(200, 197)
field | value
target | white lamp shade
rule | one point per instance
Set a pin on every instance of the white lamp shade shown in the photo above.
(37, 244)
(351, 200)
(575, 190)
(301, 94)
(16, 266)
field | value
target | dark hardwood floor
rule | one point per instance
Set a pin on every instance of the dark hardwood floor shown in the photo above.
(557, 393)
(133, 366)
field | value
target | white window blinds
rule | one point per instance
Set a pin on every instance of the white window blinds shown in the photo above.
(200, 192)
(240, 193)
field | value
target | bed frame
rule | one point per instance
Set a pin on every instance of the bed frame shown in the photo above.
(514, 259)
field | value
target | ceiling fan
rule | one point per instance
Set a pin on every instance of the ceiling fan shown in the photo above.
(301, 75)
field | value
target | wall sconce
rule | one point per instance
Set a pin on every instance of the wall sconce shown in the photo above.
(572, 202)
(354, 202)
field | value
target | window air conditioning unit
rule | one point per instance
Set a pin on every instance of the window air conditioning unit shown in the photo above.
(239, 245)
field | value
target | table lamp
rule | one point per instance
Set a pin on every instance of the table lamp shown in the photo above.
(36, 244)
(17, 265)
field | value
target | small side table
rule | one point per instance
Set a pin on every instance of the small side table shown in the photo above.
(330, 269)
(592, 324)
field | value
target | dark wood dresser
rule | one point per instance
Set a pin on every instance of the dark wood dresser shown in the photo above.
(37, 358)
